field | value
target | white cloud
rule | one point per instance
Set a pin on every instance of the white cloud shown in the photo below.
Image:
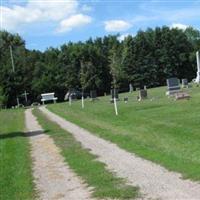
(38, 11)
(123, 36)
(73, 21)
(116, 25)
(179, 26)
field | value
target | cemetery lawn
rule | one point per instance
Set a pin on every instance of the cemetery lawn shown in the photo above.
(103, 183)
(159, 129)
(16, 181)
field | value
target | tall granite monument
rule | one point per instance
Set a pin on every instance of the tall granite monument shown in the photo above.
(197, 80)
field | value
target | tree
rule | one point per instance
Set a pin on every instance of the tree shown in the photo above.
(2, 97)
(115, 68)
(145, 59)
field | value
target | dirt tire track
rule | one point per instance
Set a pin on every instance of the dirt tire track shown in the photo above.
(53, 178)
(155, 181)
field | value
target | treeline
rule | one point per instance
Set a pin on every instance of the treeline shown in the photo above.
(145, 59)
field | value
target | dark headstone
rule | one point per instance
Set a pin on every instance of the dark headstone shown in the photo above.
(142, 94)
(173, 86)
(173, 83)
(137, 88)
(93, 94)
(184, 83)
(125, 99)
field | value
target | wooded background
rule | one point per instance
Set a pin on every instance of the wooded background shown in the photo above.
(101, 63)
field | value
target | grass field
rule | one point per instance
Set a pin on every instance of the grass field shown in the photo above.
(159, 129)
(105, 185)
(16, 181)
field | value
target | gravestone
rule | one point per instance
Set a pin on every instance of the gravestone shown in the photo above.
(173, 86)
(93, 94)
(130, 88)
(137, 89)
(125, 99)
(197, 79)
(184, 83)
(142, 95)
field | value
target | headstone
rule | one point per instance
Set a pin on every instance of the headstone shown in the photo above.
(145, 87)
(173, 86)
(130, 88)
(93, 94)
(125, 99)
(197, 80)
(184, 83)
(142, 95)
(137, 89)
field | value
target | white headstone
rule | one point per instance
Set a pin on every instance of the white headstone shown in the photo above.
(130, 88)
(197, 80)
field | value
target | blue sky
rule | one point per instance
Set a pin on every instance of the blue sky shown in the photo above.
(54, 22)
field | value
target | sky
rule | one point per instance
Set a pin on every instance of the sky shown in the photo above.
(51, 23)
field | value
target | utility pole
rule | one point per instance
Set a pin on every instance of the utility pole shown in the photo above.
(11, 55)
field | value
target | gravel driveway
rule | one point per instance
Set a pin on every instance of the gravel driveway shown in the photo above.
(53, 178)
(155, 182)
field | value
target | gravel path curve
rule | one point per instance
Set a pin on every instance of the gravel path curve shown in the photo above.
(155, 181)
(53, 178)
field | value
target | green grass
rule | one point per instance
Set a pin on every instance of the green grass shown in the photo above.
(16, 181)
(162, 130)
(93, 172)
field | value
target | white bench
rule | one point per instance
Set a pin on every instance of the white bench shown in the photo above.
(48, 97)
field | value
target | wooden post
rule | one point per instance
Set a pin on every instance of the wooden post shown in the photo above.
(115, 101)
(83, 101)
(115, 105)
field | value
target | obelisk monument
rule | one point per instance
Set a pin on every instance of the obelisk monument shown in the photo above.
(197, 80)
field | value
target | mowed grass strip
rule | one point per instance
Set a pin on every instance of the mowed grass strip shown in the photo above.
(16, 181)
(159, 128)
(104, 183)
